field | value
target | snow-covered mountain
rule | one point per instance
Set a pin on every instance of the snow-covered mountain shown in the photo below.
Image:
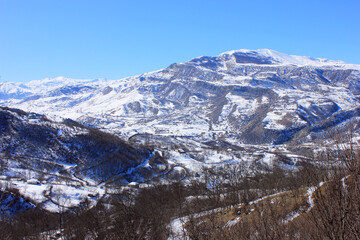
(255, 107)
(259, 98)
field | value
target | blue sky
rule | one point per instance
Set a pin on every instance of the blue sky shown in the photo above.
(115, 39)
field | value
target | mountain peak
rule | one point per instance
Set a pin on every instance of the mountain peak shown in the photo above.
(269, 56)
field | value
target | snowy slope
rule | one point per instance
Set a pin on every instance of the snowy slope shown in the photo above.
(258, 99)
(279, 58)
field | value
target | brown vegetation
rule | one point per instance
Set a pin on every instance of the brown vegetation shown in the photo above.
(291, 204)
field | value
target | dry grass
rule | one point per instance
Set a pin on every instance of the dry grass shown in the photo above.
(251, 220)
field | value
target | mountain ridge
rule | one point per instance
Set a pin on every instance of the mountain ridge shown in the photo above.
(275, 55)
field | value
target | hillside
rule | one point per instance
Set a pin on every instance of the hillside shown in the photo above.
(65, 164)
(326, 211)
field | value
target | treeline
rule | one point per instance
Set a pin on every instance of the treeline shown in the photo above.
(147, 213)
